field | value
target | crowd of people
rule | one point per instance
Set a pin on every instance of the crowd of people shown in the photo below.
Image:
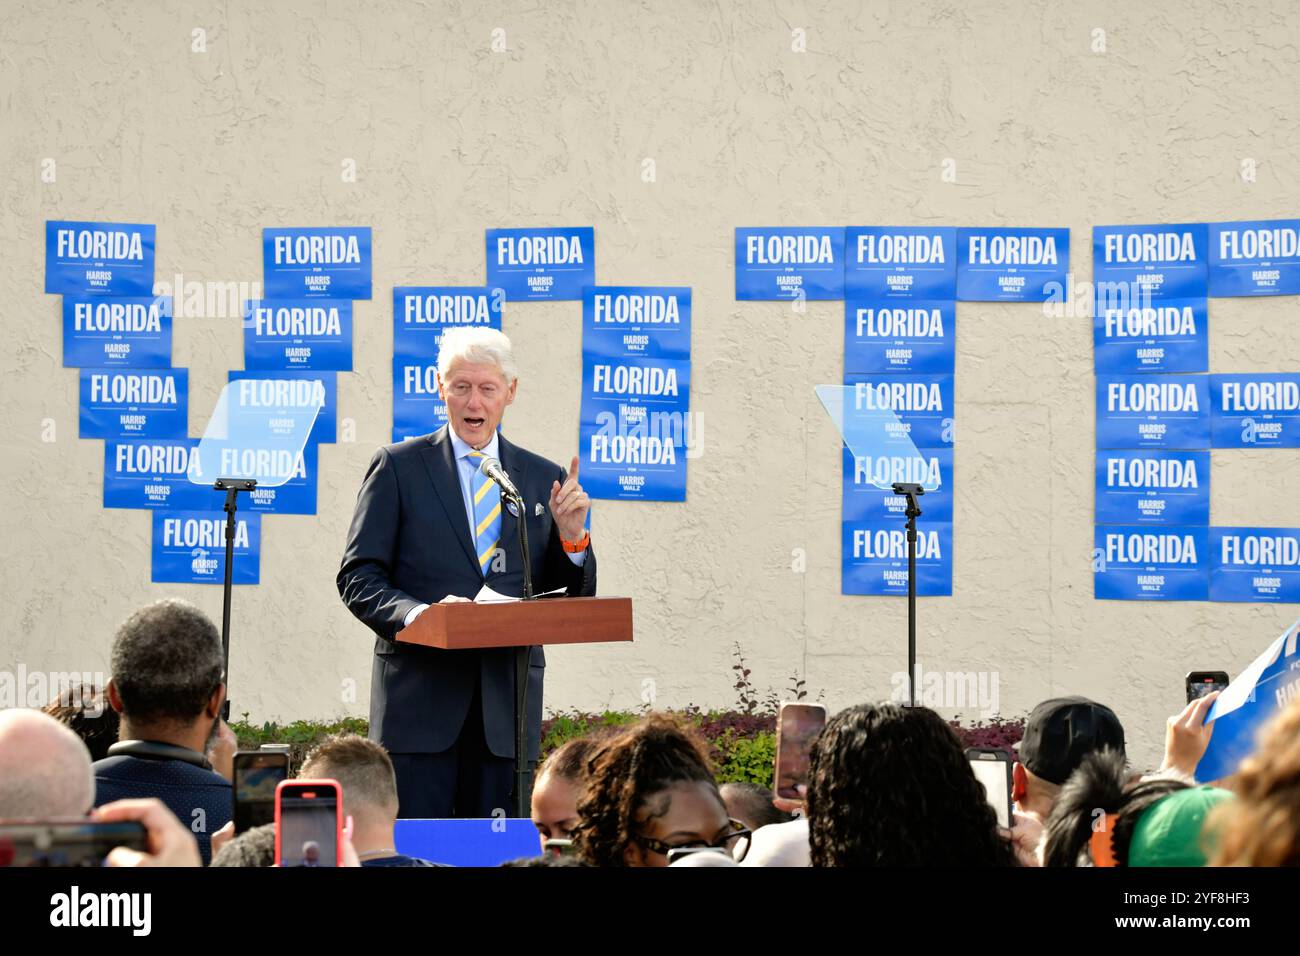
(888, 785)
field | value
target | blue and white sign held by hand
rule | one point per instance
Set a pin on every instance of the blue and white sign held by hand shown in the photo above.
(329, 262)
(422, 313)
(1150, 564)
(313, 334)
(117, 331)
(1148, 411)
(1011, 264)
(1158, 488)
(1165, 335)
(900, 262)
(1255, 697)
(1132, 265)
(922, 403)
(873, 557)
(189, 547)
(914, 336)
(155, 473)
(134, 403)
(789, 262)
(99, 258)
(1255, 411)
(1258, 257)
(1255, 564)
(290, 394)
(550, 263)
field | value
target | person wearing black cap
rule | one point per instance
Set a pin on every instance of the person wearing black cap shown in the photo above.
(1058, 735)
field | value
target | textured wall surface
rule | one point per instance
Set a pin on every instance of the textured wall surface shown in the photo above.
(450, 138)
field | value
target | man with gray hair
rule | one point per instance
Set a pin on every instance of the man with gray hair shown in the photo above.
(44, 768)
(168, 686)
(430, 526)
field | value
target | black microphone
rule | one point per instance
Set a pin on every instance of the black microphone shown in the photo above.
(491, 468)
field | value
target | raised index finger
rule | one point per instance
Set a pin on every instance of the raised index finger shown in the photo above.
(573, 469)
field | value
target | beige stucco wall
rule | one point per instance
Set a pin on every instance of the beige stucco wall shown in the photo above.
(450, 138)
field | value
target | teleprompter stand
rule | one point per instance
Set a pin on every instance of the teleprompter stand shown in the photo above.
(232, 487)
(911, 492)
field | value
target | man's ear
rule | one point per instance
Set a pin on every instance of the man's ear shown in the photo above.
(114, 698)
(1019, 783)
(441, 393)
(510, 392)
(213, 708)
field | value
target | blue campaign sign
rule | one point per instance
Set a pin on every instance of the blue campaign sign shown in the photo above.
(923, 404)
(1256, 696)
(873, 557)
(1134, 264)
(296, 496)
(1164, 335)
(1255, 411)
(330, 262)
(1011, 264)
(633, 427)
(1147, 411)
(134, 403)
(1257, 257)
(866, 477)
(1255, 564)
(292, 392)
(99, 258)
(912, 335)
(1147, 564)
(314, 334)
(1166, 488)
(189, 547)
(117, 331)
(789, 262)
(544, 263)
(422, 313)
(418, 409)
(631, 321)
(154, 473)
(900, 262)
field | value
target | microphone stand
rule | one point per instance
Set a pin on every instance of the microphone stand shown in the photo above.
(523, 774)
(911, 492)
(232, 487)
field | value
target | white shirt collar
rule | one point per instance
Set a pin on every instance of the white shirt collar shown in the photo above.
(463, 448)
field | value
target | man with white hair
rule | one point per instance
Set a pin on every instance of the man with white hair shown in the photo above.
(429, 526)
(44, 768)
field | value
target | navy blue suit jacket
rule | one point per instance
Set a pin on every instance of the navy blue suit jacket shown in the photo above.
(410, 544)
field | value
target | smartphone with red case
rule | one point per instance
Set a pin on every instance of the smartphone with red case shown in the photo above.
(308, 823)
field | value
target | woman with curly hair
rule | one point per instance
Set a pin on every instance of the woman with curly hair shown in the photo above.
(1262, 826)
(649, 790)
(890, 786)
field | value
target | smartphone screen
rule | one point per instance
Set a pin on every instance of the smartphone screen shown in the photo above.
(257, 774)
(307, 823)
(797, 726)
(1200, 683)
(66, 843)
(993, 769)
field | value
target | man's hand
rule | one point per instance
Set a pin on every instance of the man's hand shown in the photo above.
(1026, 834)
(221, 750)
(1187, 735)
(170, 844)
(454, 599)
(569, 504)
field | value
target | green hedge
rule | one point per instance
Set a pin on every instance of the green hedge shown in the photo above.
(743, 743)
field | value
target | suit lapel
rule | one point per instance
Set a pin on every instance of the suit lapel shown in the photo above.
(440, 462)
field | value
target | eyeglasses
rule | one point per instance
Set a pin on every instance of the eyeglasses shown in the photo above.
(736, 842)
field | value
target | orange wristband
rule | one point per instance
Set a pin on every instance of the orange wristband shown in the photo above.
(579, 546)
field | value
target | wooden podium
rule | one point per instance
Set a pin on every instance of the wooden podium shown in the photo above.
(465, 625)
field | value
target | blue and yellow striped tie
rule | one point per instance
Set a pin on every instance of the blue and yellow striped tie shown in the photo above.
(487, 513)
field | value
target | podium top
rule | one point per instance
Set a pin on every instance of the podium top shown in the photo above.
(568, 620)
